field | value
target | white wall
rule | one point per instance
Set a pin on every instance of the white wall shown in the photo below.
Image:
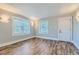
(5, 32)
(76, 32)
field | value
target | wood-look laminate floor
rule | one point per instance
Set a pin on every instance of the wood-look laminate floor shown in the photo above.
(37, 46)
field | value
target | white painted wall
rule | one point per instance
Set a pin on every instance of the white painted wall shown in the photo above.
(76, 32)
(5, 32)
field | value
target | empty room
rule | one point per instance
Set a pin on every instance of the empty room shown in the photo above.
(39, 29)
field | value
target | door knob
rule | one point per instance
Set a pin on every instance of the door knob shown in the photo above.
(60, 31)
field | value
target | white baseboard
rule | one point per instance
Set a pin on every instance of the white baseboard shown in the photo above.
(12, 42)
(48, 38)
(15, 41)
(75, 45)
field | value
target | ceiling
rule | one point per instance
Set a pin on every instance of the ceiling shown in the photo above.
(42, 10)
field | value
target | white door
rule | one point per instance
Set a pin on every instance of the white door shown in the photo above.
(65, 28)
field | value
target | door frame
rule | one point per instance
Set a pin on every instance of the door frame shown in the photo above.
(71, 21)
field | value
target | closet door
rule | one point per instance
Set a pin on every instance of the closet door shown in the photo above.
(65, 28)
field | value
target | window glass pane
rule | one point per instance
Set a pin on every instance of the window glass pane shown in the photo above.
(43, 27)
(20, 26)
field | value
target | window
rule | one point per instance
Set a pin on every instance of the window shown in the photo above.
(43, 26)
(20, 26)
